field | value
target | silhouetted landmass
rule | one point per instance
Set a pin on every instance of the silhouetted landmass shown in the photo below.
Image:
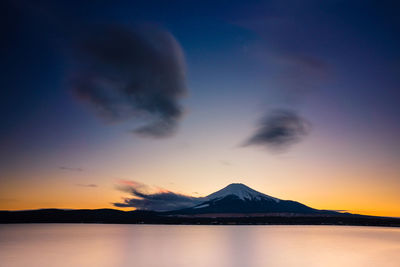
(150, 217)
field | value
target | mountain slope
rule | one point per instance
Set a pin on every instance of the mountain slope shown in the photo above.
(239, 198)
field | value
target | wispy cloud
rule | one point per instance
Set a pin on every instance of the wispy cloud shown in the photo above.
(225, 162)
(73, 169)
(87, 185)
(8, 200)
(149, 198)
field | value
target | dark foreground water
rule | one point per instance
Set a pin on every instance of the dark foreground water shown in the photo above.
(72, 245)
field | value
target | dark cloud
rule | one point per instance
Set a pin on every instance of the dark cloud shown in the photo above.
(73, 169)
(87, 185)
(279, 129)
(161, 200)
(132, 74)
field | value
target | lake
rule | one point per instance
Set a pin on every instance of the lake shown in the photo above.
(97, 245)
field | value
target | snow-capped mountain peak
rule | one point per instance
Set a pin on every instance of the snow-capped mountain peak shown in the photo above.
(241, 191)
(240, 199)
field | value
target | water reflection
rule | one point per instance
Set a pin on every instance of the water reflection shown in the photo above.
(198, 246)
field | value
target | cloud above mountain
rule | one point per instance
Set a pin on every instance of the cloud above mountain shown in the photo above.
(279, 129)
(134, 75)
(145, 197)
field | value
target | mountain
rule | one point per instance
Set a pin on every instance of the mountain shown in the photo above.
(239, 198)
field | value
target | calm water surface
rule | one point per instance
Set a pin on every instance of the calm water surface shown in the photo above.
(31, 245)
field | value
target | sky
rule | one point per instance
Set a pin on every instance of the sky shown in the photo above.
(296, 99)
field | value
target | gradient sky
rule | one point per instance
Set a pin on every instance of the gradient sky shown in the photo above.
(335, 64)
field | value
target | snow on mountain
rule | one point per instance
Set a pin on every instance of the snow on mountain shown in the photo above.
(241, 191)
